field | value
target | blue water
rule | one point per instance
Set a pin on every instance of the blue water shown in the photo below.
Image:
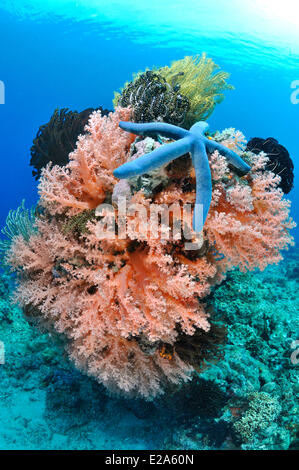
(75, 54)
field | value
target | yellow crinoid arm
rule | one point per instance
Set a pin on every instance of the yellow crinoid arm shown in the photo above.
(201, 81)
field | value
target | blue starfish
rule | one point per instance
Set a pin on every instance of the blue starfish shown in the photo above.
(193, 141)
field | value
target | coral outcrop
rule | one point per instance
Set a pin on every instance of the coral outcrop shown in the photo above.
(153, 99)
(194, 142)
(47, 404)
(185, 92)
(124, 308)
(202, 81)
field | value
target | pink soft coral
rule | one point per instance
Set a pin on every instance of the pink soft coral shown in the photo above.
(249, 221)
(119, 302)
(83, 183)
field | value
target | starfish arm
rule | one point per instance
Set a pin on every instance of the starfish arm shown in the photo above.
(149, 161)
(152, 129)
(203, 185)
(199, 128)
(232, 157)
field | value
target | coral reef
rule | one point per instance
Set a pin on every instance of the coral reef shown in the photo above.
(83, 183)
(123, 309)
(78, 223)
(202, 348)
(256, 375)
(261, 412)
(18, 222)
(47, 404)
(193, 142)
(182, 94)
(149, 184)
(153, 99)
(201, 81)
(107, 324)
(57, 139)
(279, 162)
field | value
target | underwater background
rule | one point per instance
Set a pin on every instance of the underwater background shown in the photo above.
(75, 54)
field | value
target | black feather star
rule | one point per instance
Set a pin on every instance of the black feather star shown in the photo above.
(280, 161)
(57, 139)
